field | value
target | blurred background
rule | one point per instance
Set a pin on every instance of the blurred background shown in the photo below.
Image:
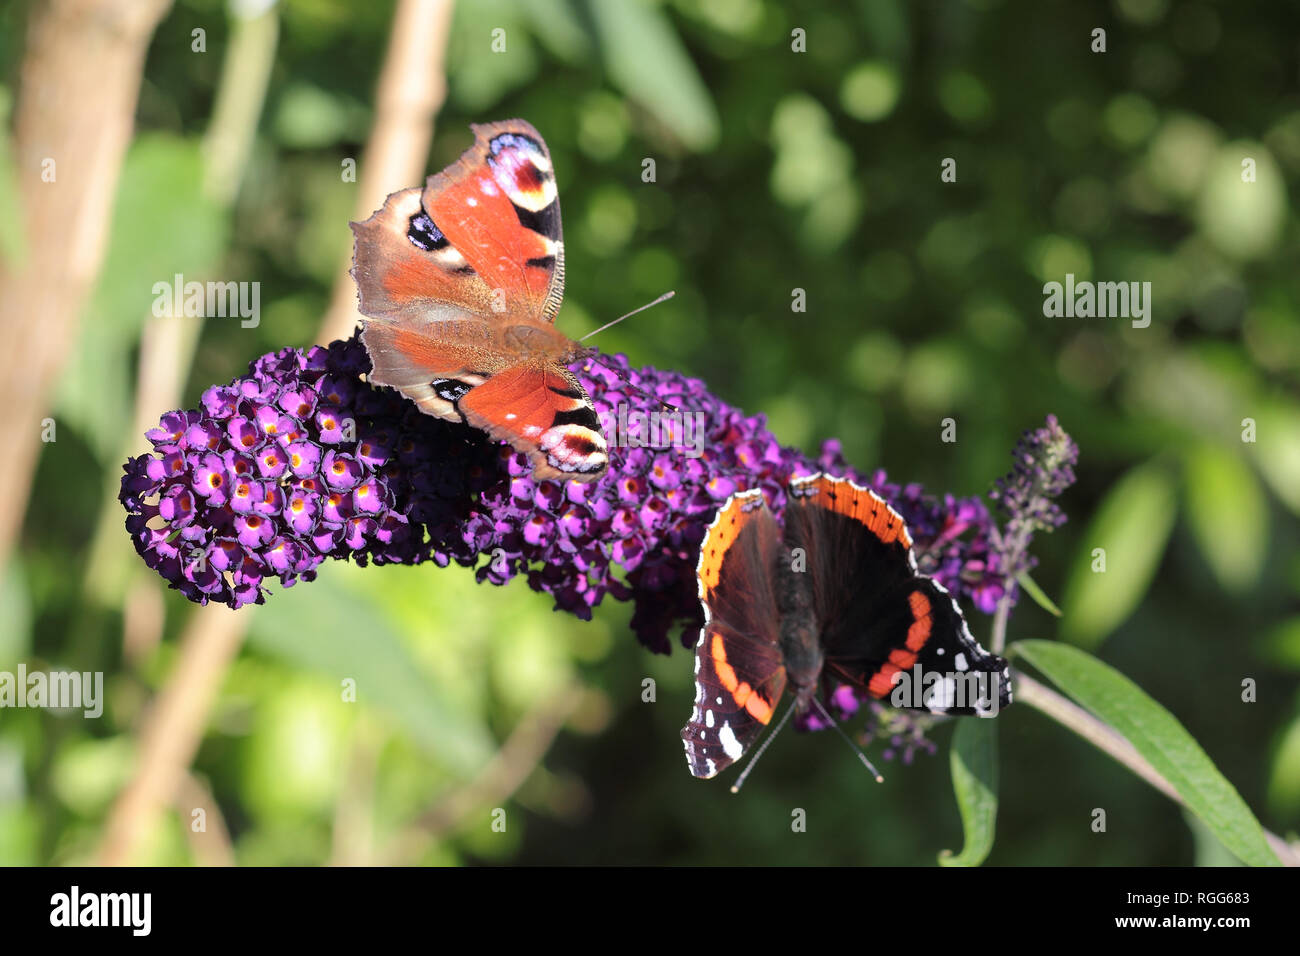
(797, 145)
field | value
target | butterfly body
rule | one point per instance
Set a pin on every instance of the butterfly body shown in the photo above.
(830, 597)
(460, 282)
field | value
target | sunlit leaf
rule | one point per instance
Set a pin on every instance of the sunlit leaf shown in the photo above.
(647, 61)
(1128, 533)
(1158, 736)
(1276, 445)
(1228, 516)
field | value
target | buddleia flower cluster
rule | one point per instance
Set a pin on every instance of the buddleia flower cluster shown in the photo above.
(302, 460)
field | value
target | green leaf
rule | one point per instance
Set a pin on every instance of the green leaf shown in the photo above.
(646, 60)
(1228, 516)
(1276, 446)
(1284, 777)
(1132, 526)
(340, 631)
(557, 26)
(1038, 594)
(1158, 736)
(974, 761)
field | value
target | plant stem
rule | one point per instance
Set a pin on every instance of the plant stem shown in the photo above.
(1000, 618)
(1112, 742)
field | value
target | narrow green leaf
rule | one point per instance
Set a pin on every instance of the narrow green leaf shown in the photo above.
(1160, 738)
(647, 61)
(1275, 442)
(1038, 594)
(1127, 538)
(1228, 516)
(974, 761)
(559, 28)
(340, 632)
(1284, 777)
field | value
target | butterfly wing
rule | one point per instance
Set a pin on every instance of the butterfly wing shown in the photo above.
(498, 206)
(739, 669)
(543, 410)
(482, 236)
(433, 367)
(877, 615)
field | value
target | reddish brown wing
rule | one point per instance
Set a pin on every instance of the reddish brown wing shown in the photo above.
(739, 669)
(433, 366)
(541, 409)
(482, 236)
(406, 271)
(498, 206)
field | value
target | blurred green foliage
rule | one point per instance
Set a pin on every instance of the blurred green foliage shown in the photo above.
(775, 171)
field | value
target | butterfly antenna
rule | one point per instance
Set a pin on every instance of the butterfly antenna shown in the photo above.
(740, 781)
(854, 747)
(663, 298)
(593, 354)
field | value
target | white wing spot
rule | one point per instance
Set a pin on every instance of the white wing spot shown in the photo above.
(730, 745)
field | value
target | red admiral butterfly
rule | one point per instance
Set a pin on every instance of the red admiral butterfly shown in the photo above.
(833, 597)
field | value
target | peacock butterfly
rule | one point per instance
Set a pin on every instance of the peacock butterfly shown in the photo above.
(460, 283)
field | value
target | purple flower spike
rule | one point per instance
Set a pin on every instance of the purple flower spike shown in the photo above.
(1043, 469)
(346, 470)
